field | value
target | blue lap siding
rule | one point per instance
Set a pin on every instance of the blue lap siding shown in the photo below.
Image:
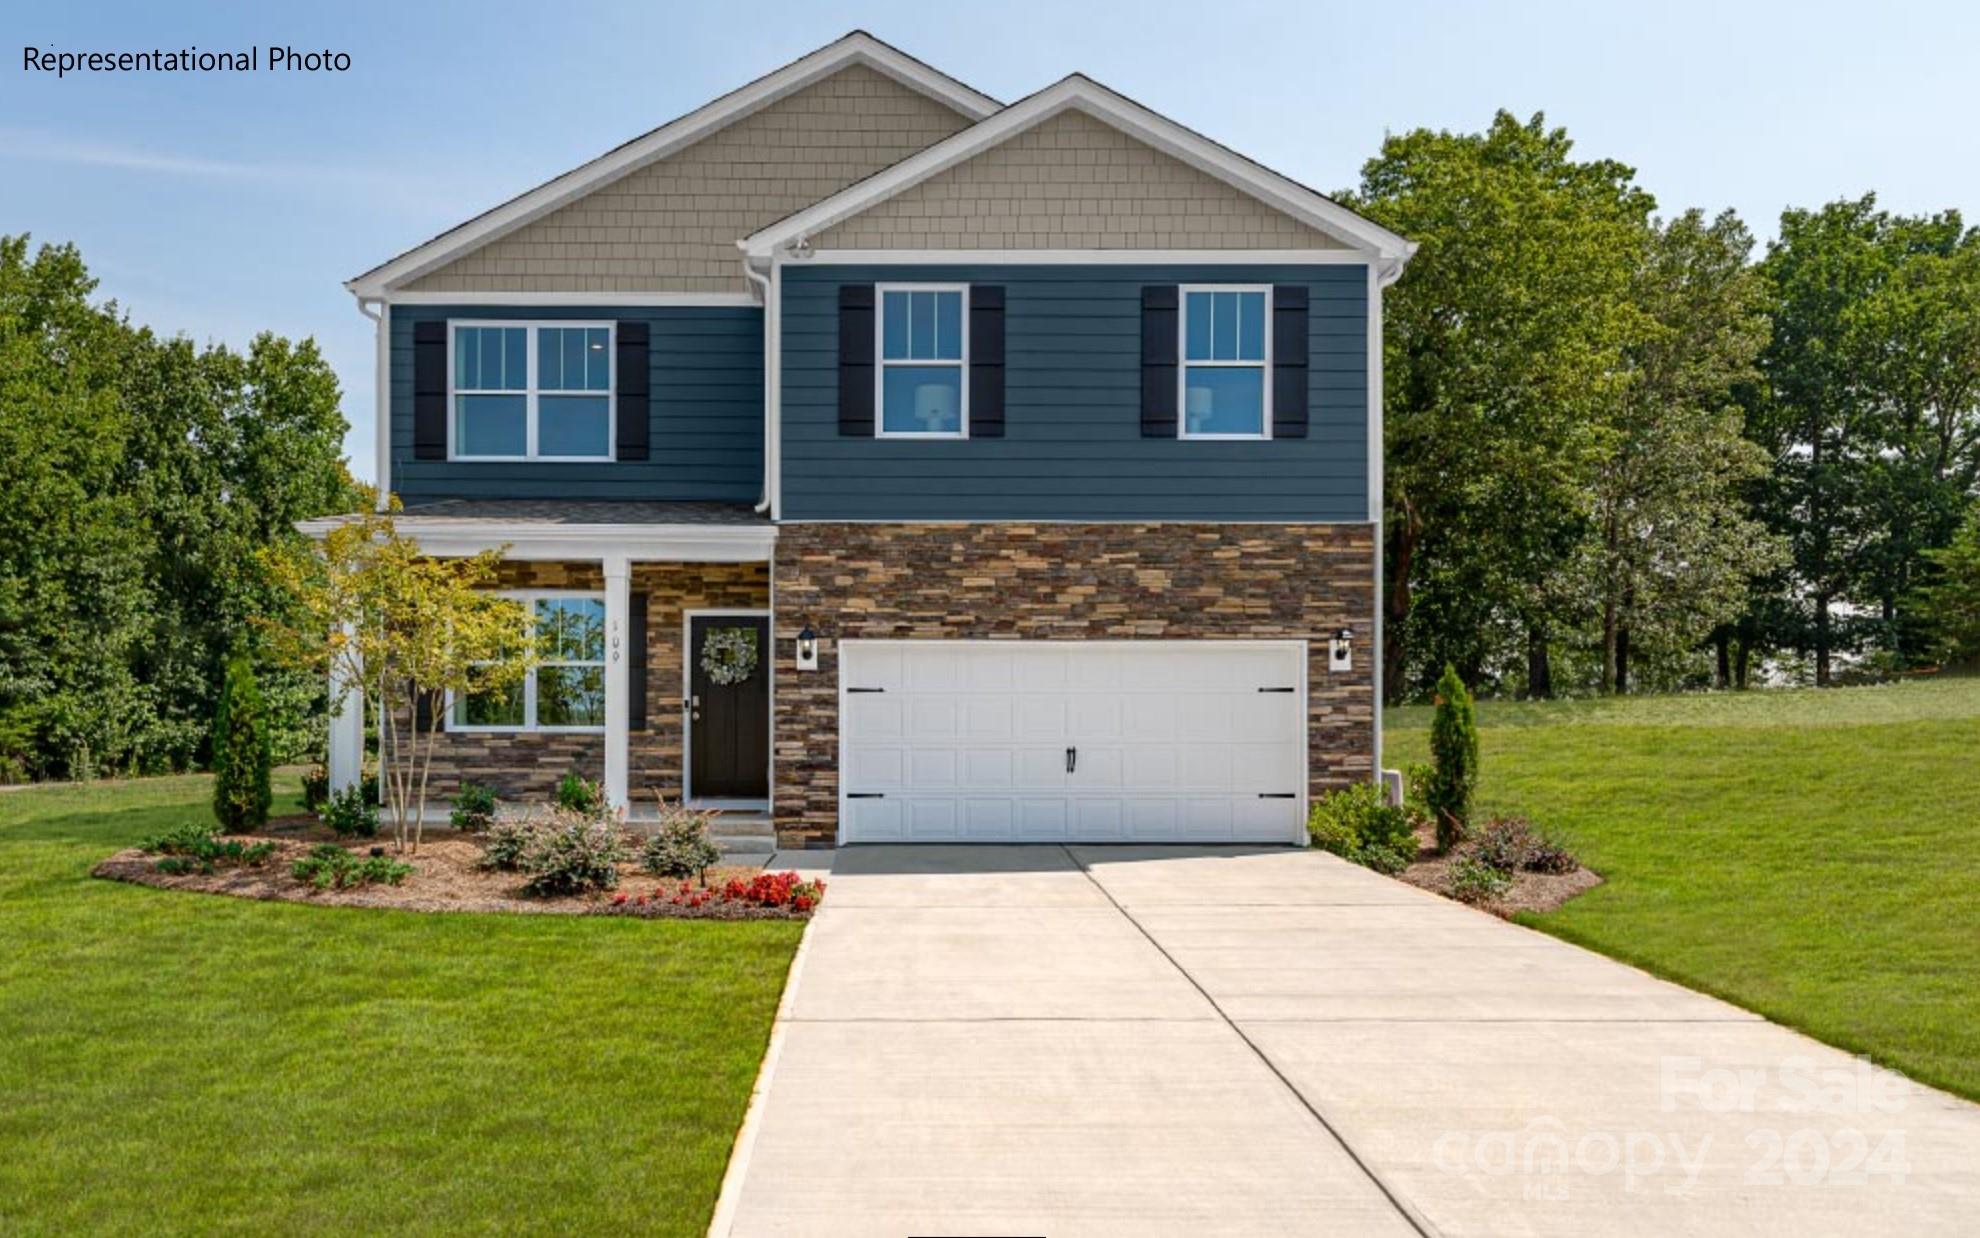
(706, 416)
(1072, 446)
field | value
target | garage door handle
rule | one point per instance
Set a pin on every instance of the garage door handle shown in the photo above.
(866, 795)
(1278, 795)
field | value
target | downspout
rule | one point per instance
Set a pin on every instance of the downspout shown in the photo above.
(374, 308)
(764, 289)
(1381, 274)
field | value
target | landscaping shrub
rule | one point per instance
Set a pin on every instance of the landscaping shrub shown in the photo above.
(1454, 755)
(571, 854)
(1513, 844)
(474, 807)
(1474, 881)
(1550, 855)
(351, 814)
(579, 794)
(315, 787)
(681, 847)
(784, 891)
(196, 848)
(241, 757)
(507, 840)
(330, 867)
(1358, 823)
(1504, 843)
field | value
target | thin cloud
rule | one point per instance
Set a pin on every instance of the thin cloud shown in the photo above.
(411, 192)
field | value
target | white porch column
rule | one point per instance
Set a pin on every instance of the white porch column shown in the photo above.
(618, 690)
(346, 763)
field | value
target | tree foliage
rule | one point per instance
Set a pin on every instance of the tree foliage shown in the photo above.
(1454, 760)
(241, 765)
(141, 473)
(367, 607)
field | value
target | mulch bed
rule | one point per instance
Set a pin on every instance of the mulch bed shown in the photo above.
(1530, 891)
(444, 878)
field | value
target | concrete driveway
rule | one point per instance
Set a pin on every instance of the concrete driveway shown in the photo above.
(1151, 1041)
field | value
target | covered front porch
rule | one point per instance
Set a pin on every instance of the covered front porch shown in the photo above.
(657, 680)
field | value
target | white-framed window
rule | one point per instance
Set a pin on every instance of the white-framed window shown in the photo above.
(529, 390)
(1226, 351)
(922, 346)
(565, 689)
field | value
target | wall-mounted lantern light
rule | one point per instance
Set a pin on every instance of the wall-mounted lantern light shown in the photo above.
(1340, 651)
(807, 649)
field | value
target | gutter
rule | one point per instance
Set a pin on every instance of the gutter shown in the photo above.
(381, 414)
(764, 502)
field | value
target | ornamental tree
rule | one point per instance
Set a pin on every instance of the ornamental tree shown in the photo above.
(1454, 756)
(241, 757)
(368, 607)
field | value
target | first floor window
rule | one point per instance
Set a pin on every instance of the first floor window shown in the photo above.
(1225, 357)
(532, 391)
(922, 357)
(565, 690)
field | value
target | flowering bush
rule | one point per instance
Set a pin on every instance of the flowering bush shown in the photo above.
(765, 893)
(1510, 844)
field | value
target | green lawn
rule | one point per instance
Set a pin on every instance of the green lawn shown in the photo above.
(176, 1062)
(1812, 855)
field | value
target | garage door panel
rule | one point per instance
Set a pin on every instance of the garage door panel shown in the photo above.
(873, 716)
(988, 717)
(874, 767)
(1176, 741)
(929, 768)
(930, 717)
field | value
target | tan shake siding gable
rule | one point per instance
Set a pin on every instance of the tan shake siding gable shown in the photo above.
(672, 226)
(1063, 582)
(1072, 182)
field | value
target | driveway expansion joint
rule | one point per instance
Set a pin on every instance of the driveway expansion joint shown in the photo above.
(1407, 1211)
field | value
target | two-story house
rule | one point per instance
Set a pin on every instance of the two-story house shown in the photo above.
(909, 466)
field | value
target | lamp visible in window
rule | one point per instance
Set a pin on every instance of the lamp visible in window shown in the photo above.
(1340, 651)
(807, 649)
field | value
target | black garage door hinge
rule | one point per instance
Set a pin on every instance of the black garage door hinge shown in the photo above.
(1278, 795)
(866, 689)
(866, 795)
(1278, 689)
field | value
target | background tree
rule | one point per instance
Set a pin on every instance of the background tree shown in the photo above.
(366, 606)
(1673, 547)
(1503, 343)
(142, 474)
(241, 792)
(1950, 604)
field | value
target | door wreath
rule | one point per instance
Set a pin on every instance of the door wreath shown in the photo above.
(728, 655)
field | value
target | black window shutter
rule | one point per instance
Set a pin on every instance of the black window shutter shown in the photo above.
(986, 361)
(634, 400)
(422, 712)
(636, 662)
(429, 391)
(1289, 361)
(1160, 307)
(856, 360)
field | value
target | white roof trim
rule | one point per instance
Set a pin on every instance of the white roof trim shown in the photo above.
(454, 536)
(856, 48)
(1089, 96)
(572, 298)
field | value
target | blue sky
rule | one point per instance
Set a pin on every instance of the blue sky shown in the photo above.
(218, 204)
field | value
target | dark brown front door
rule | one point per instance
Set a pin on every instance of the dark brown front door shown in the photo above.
(729, 707)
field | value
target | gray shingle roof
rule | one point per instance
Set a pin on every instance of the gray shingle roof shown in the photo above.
(588, 511)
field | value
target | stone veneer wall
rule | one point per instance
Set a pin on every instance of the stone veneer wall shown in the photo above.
(1063, 582)
(527, 766)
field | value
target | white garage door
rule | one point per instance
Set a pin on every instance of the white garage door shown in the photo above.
(1072, 741)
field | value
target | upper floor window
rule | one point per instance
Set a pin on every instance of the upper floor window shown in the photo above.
(565, 689)
(532, 391)
(924, 353)
(1226, 354)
